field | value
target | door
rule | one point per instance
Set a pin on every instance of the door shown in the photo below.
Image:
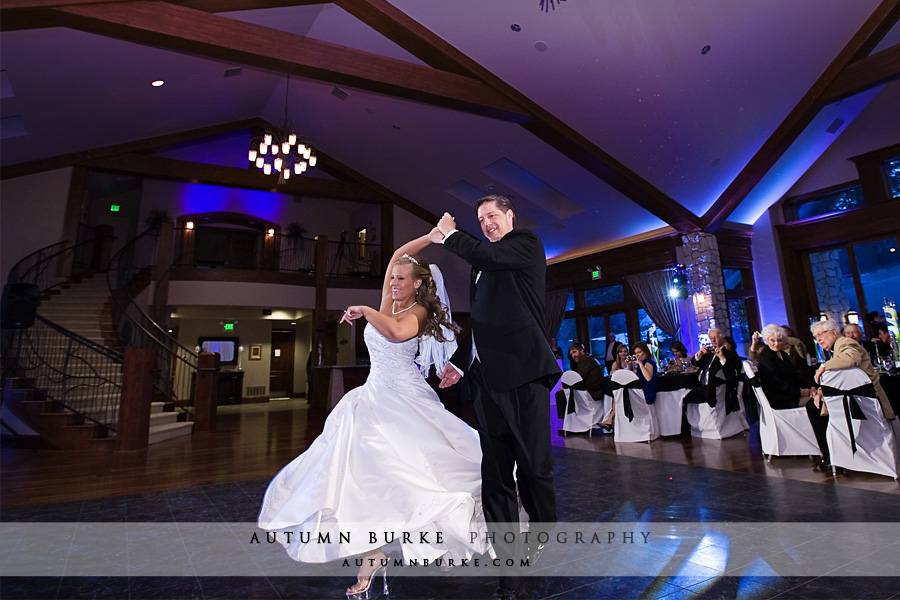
(281, 373)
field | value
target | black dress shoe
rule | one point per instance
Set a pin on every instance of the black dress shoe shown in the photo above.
(504, 593)
(823, 465)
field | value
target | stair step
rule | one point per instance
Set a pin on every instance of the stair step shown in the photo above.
(157, 407)
(162, 418)
(170, 431)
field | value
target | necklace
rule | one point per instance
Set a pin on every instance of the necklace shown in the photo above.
(397, 312)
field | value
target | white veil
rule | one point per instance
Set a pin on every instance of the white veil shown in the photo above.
(431, 351)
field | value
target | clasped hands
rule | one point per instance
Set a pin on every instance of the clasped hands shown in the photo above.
(444, 226)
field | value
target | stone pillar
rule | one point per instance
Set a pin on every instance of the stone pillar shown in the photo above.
(828, 277)
(699, 253)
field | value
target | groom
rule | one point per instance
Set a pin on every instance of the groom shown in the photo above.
(510, 369)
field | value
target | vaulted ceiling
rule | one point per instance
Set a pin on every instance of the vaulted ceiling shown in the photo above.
(605, 121)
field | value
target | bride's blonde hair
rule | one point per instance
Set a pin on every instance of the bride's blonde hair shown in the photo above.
(426, 296)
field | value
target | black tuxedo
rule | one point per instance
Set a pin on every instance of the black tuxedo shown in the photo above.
(779, 379)
(510, 382)
(708, 368)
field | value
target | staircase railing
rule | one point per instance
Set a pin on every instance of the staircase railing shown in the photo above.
(130, 271)
(69, 370)
(64, 367)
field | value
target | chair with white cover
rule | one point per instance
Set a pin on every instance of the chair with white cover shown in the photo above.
(582, 412)
(859, 437)
(725, 419)
(669, 410)
(785, 432)
(635, 420)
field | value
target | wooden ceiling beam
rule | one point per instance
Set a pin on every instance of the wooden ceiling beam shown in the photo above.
(428, 47)
(864, 74)
(149, 144)
(252, 179)
(166, 25)
(873, 30)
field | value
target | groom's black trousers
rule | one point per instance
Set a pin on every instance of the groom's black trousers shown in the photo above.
(514, 429)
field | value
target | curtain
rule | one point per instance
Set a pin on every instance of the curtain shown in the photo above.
(554, 310)
(652, 291)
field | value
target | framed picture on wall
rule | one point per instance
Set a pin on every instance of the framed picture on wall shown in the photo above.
(255, 351)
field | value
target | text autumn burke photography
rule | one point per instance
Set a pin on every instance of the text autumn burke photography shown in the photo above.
(562, 536)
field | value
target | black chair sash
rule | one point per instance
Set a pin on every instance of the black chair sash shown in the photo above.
(626, 397)
(570, 398)
(852, 410)
(732, 404)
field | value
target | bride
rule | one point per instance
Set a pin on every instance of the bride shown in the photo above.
(391, 459)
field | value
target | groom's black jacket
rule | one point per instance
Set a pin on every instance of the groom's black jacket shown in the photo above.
(507, 309)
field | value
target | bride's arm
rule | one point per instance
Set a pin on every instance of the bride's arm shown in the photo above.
(410, 247)
(393, 329)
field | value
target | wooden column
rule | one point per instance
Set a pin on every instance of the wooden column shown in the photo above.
(133, 429)
(161, 274)
(206, 391)
(319, 316)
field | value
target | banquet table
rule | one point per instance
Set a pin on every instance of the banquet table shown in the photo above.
(670, 392)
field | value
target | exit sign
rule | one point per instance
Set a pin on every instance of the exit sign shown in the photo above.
(229, 326)
(113, 208)
(595, 274)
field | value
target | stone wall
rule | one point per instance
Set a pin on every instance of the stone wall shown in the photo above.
(699, 253)
(829, 279)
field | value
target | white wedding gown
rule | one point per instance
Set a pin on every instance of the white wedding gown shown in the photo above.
(391, 459)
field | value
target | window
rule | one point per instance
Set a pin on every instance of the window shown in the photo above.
(565, 336)
(892, 174)
(733, 279)
(831, 202)
(605, 295)
(570, 301)
(833, 279)
(878, 264)
(597, 336)
(740, 326)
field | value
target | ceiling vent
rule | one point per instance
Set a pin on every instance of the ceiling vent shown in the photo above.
(339, 94)
(233, 72)
(835, 125)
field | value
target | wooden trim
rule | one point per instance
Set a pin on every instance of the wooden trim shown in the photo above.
(868, 36)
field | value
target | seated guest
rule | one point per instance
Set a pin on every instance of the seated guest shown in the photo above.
(783, 386)
(591, 373)
(554, 347)
(621, 358)
(646, 370)
(846, 354)
(611, 351)
(883, 340)
(711, 360)
(854, 332)
(621, 362)
(793, 347)
(679, 357)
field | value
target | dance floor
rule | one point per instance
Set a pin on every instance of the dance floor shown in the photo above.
(837, 535)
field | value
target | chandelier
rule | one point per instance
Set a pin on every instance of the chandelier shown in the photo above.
(280, 151)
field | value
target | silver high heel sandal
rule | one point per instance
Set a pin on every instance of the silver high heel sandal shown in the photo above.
(363, 594)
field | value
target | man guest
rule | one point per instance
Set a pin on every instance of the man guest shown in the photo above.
(510, 369)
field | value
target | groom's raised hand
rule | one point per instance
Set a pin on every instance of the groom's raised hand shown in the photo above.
(449, 376)
(447, 223)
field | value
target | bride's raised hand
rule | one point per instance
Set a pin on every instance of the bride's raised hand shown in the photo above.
(351, 314)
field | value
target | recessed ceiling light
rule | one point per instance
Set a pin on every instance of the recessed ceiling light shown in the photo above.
(705, 49)
(540, 46)
(158, 83)
(516, 27)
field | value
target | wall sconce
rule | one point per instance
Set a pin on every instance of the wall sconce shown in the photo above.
(270, 232)
(853, 317)
(189, 225)
(240, 352)
(823, 316)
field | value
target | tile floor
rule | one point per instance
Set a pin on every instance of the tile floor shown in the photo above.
(593, 487)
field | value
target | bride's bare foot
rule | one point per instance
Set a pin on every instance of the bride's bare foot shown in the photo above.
(372, 562)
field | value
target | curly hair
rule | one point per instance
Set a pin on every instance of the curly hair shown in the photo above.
(427, 297)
